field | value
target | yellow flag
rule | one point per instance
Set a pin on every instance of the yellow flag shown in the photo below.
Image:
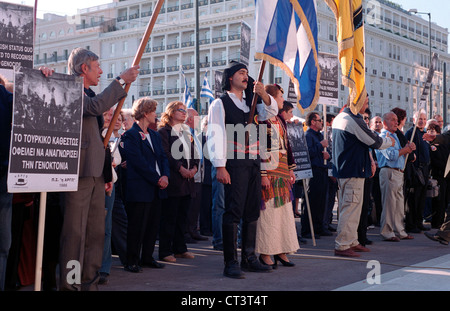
(350, 37)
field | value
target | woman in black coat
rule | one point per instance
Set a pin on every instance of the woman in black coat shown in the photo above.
(178, 144)
(147, 179)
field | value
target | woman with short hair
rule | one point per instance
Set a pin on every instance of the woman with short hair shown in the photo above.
(147, 180)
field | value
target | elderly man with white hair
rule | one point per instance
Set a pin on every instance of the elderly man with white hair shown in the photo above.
(392, 162)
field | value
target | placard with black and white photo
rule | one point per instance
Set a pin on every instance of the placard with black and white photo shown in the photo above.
(16, 35)
(300, 152)
(46, 132)
(246, 36)
(329, 75)
(218, 76)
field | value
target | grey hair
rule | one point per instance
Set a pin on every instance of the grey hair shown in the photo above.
(77, 58)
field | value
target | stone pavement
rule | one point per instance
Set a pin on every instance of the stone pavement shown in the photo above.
(418, 264)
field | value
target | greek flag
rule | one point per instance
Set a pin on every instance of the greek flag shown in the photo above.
(187, 97)
(286, 36)
(206, 89)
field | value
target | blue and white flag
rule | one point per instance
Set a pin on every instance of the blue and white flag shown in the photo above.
(286, 36)
(206, 89)
(187, 97)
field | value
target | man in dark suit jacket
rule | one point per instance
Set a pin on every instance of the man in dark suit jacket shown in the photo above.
(84, 213)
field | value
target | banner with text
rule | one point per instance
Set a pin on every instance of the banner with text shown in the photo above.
(300, 152)
(46, 132)
(329, 75)
(16, 35)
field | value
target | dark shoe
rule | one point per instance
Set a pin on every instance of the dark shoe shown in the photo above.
(253, 265)
(103, 280)
(346, 253)
(273, 265)
(218, 247)
(414, 230)
(423, 228)
(393, 239)
(302, 241)
(367, 242)
(133, 268)
(360, 248)
(283, 262)
(198, 237)
(436, 238)
(332, 229)
(153, 264)
(232, 270)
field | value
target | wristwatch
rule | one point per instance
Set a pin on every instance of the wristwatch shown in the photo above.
(121, 81)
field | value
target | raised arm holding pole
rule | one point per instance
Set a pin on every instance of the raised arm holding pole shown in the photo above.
(136, 61)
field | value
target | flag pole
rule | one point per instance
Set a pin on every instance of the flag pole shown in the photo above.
(40, 241)
(255, 96)
(42, 208)
(325, 130)
(136, 61)
(309, 212)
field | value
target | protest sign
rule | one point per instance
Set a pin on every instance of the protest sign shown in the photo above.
(46, 132)
(300, 152)
(16, 35)
(246, 34)
(329, 84)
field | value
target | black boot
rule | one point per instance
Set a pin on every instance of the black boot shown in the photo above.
(229, 237)
(249, 260)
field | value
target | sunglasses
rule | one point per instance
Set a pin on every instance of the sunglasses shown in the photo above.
(181, 110)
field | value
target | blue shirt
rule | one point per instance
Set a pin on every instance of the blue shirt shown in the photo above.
(390, 157)
(315, 148)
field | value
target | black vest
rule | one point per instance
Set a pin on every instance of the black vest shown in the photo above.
(237, 153)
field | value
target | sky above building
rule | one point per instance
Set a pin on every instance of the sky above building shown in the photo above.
(60, 7)
(439, 9)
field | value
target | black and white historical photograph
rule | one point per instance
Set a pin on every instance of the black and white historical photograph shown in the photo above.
(52, 104)
(329, 75)
(246, 36)
(16, 35)
(218, 76)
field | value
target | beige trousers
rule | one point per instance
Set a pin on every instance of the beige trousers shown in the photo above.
(392, 199)
(350, 195)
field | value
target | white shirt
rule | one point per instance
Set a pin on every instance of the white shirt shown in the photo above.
(151, 145)
(216, 131)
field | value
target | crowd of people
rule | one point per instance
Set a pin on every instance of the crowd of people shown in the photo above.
(182, 178)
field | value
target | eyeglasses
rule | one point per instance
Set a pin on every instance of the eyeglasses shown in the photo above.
(181, 110)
